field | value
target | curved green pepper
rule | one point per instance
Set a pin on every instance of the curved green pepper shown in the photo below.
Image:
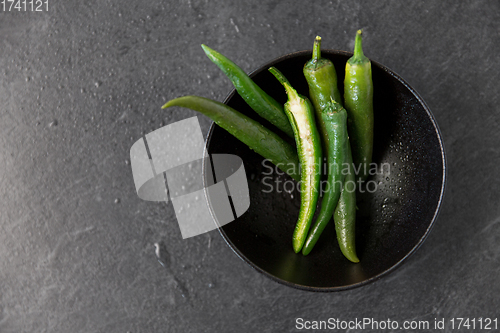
(334, 118)
(263, 104)
(358, 101)
(345, 213)
(301, 115)
(260, 139)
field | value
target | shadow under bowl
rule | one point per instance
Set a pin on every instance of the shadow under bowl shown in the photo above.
(396, 210)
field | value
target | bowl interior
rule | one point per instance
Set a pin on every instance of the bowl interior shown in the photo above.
(395, 213)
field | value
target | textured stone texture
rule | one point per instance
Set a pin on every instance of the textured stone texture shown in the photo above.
(79, 84)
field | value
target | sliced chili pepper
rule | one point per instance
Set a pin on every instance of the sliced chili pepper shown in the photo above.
(345, 214)
(301, 115)
(358, 101)
(334, 117)
(260, 139)
(263, 104)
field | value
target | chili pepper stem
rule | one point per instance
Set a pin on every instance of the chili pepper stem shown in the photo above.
(317, 49)
(358, 49)
(358, 56)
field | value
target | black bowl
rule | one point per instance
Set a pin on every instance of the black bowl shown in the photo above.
(396, 211)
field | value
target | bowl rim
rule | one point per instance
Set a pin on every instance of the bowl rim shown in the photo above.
(439, 202)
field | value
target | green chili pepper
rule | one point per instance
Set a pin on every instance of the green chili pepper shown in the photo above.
(358, 101)
(263, 104)
(301, 115)
(345, 213)
(322, 79)
(260, 139)
(334, 118)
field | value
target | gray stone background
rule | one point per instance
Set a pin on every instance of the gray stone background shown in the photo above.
(81, 82)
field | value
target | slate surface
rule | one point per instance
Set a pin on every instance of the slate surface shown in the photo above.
(81, 82)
